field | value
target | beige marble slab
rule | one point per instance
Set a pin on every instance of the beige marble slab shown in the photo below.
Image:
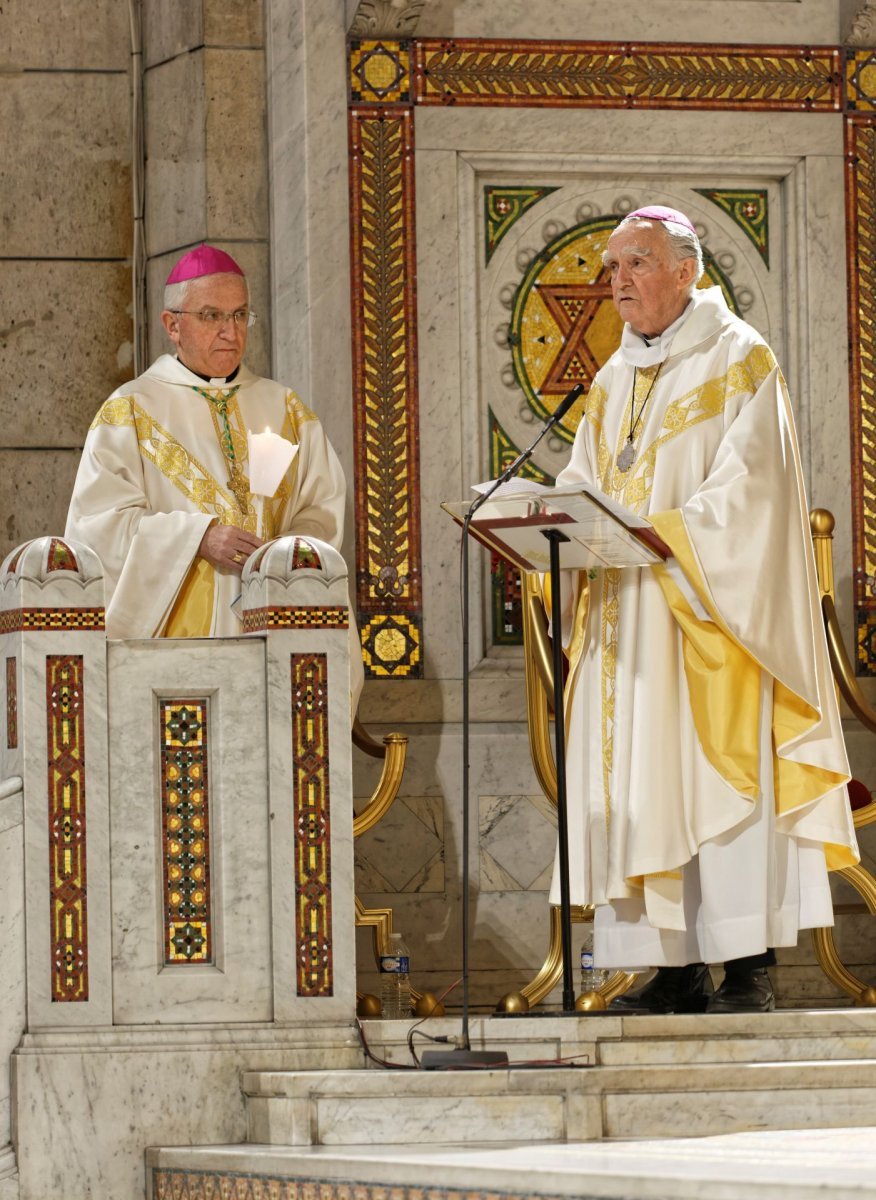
(832, 1164)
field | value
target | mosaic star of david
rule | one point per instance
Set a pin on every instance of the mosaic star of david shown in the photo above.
(573, 307)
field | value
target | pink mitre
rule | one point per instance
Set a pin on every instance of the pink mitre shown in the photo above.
(203, 260)
(659, 212)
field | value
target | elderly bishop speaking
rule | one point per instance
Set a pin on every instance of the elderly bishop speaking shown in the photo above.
(706, 765)
(162, 493)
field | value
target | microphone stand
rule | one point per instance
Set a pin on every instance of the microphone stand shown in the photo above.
(464, 1057)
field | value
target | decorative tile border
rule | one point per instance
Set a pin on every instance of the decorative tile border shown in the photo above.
(185, 827)
(729, 78)
(861, 242)
(285, 616)
(11, 705)
(65, 745)
(18, 620)
(386, 414)
(314, 971)
(176, 1184)
(622, 75)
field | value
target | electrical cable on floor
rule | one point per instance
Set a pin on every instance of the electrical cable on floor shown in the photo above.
(572, 1060)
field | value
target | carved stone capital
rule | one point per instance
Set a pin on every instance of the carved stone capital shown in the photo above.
(387, 18)
(863, 29)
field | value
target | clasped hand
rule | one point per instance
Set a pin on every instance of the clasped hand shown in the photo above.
(227, 548)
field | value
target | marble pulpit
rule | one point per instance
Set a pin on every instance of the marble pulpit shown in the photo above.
(176, 863)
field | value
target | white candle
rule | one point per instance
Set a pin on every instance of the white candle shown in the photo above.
(270, 457)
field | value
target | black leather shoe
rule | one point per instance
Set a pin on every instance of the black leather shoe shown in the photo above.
(744, 992)
(672, 990)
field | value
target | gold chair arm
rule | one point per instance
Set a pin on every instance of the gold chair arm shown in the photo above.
(843, 671)
(393, 751)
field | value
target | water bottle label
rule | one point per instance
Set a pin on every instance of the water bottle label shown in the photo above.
(394, 964)
(586, 960)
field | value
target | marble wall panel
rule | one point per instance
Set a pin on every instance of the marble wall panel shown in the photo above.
(234, 147)
(35, 488)
(92, 1108)
(653, 136)
(89, 36)
(308, 198)
(12, 975)
(497, 693)
(770, 21)
(65, 173)
(404, 852)
(175, 111)
(65, 344)
(333, 995)
(510, 925)
(253, 259)
(445, 420)
(237, 984)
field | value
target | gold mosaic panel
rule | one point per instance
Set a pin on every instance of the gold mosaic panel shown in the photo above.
(616, 75)
(861, 201)
(385, 385)
(861, 80)
(380, 72)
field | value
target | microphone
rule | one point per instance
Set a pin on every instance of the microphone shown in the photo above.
(565, 404)
(559, 412)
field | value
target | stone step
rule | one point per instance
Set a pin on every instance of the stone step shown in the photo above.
(787, 1165)
(604, 1040)
(349, 1108)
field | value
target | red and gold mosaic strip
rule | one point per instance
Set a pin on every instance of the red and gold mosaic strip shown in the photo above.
(60, 557)
(861, 239)
(285, 616)
(619, 75)
(386, 414)
(185, 823)
(65, 744)
(313, 891)
(17, 620)
(172, 1184)
(11, 705)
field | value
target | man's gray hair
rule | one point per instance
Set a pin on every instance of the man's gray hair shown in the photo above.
(175, 293)
(684, 242)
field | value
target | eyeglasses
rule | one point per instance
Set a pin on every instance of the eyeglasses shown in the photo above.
(243, 318)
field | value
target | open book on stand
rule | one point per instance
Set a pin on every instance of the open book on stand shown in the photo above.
(600, 532)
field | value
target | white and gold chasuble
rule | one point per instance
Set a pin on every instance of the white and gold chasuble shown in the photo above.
(706, 767)
(154, 476)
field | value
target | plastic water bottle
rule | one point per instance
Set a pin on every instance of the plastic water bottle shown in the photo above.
(592, 977)
(395, 988)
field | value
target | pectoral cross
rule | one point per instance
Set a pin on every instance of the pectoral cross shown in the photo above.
(239, 484)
